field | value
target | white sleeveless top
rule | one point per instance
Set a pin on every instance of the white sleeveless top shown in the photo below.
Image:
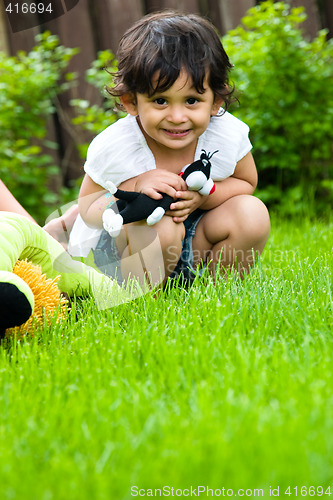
(121, 152)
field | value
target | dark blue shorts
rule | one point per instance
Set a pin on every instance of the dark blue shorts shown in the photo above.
(107, 257)
(184, 266)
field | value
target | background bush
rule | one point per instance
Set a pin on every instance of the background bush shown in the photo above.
(29, 85)
(285, 88)
(285, 85)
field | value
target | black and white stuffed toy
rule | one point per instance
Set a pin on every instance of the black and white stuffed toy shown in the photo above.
(132, 206)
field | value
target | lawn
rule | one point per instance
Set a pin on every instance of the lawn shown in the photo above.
(227, 387)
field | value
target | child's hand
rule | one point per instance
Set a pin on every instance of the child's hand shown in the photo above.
(158, 181)
(189, 201)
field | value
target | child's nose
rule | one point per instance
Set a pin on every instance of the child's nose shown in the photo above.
(177, 114)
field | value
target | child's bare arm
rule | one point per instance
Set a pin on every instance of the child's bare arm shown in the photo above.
(92, 202)
(94, 199)
(10, 204)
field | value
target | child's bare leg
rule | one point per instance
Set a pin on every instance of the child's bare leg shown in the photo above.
(234, 234)
(150, 253)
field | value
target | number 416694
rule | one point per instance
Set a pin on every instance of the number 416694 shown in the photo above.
(31, 8)
(312, 491)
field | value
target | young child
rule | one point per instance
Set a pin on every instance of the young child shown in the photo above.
(172, 80)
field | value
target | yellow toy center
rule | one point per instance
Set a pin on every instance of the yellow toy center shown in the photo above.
(49, 306)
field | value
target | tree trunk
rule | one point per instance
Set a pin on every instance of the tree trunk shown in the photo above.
(4, 46)
(111, 18)
(328, 16)
(232, 12)
(312, 24)
(181, 5)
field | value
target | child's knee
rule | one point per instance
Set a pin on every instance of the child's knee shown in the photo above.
(170, 233)
(253, 218)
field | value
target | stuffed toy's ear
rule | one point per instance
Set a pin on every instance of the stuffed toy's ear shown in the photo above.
(53, 272)
(31, 299)
(16, 301)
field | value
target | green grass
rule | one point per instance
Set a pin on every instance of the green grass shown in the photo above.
(220, 386)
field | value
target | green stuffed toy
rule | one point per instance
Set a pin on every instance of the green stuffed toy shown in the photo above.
(22, 241)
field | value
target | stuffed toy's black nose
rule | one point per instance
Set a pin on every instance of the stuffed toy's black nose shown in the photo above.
(15, 308)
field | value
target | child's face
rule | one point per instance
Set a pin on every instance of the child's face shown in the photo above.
(174, 119)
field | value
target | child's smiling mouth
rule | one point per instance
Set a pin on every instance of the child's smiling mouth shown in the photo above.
(177, 133)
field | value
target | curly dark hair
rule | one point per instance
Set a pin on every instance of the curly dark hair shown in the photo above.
(163, 44)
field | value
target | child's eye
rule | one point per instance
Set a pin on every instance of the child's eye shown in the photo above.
(160, 101)
(191, 100)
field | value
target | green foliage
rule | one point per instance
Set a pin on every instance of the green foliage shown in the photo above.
(286, 96)
(96, 117)
(29, 85)
(285, 84)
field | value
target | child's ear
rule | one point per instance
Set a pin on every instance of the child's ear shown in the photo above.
(129, 103)
(218, 101)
